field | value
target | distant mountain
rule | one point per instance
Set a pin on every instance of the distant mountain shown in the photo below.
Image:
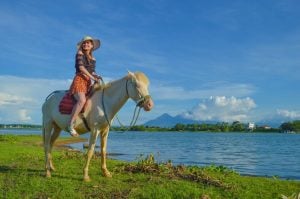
(166, 120)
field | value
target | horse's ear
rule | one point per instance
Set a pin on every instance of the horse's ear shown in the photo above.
(131, 74)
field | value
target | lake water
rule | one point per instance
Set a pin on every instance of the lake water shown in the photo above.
(260, 154)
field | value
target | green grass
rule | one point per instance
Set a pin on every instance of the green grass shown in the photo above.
(22, 176)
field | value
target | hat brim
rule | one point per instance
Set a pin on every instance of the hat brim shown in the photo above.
(96, 43)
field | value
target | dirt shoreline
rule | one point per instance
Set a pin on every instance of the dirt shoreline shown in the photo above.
(63, 143)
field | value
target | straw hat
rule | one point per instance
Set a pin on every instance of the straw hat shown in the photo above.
(96, 42)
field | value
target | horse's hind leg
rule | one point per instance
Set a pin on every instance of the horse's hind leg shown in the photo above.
(54, 136)
(47, 128)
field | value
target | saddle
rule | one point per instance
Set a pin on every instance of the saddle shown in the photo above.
(68, 101)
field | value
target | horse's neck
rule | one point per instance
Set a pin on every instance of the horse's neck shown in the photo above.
(115, 96)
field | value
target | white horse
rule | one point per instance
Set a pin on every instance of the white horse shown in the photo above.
(99, 112)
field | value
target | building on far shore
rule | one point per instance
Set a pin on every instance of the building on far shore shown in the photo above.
(251, 126)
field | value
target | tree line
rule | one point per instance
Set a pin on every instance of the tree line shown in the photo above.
(218, 127)
(293, 126)
(20, 126)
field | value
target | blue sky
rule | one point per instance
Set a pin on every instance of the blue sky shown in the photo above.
(207, 60)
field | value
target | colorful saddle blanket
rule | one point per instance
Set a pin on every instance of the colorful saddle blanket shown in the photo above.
(66, 104)
(68, 101)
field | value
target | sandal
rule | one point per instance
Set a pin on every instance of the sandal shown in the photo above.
(70, 129)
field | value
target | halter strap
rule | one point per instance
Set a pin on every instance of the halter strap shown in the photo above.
(140, 101)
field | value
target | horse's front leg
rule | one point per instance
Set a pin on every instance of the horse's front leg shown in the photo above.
(92, 143)
(104, 135)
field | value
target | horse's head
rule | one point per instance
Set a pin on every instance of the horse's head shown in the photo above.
(137, 88)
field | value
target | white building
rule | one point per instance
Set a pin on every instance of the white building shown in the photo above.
(251, 126)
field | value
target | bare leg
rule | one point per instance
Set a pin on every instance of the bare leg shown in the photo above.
(90, 153)
(80, 97)
(104, 135)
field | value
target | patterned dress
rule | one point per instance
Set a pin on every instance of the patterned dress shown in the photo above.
(81, 82)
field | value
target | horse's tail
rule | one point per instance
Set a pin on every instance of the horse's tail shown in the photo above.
(43, 130)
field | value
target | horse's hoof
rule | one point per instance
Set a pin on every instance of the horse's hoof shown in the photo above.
(48, 174)
(107, 174)
(87, 179)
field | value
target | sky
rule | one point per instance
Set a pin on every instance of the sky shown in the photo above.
(215, 60)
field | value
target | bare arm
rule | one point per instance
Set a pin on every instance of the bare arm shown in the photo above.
(86, 72)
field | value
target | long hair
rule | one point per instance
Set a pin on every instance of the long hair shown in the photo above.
(88, 55)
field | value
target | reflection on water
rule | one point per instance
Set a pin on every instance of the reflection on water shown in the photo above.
(247, 153)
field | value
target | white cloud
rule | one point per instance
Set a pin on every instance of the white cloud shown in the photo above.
(19, 114)
(9, 99)
(293, 115)
(179, 93)
(23, 115)
(29, 89)
(21, 98)
(221, 108)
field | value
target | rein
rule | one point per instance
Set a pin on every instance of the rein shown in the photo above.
(136, 110)
(133, 121)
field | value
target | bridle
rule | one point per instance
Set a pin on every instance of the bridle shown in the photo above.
(139, 104)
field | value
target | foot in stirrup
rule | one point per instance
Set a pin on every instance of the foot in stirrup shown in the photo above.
(72, 131)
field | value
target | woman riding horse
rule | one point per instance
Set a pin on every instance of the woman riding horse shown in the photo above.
(104, 105)
(85, 65)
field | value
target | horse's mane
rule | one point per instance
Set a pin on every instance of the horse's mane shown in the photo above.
(139, 75)
(142, 77)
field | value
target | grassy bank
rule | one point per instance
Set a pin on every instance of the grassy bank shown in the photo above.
(22, 176)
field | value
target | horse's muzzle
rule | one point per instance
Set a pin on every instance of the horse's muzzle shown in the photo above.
(148, 104)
